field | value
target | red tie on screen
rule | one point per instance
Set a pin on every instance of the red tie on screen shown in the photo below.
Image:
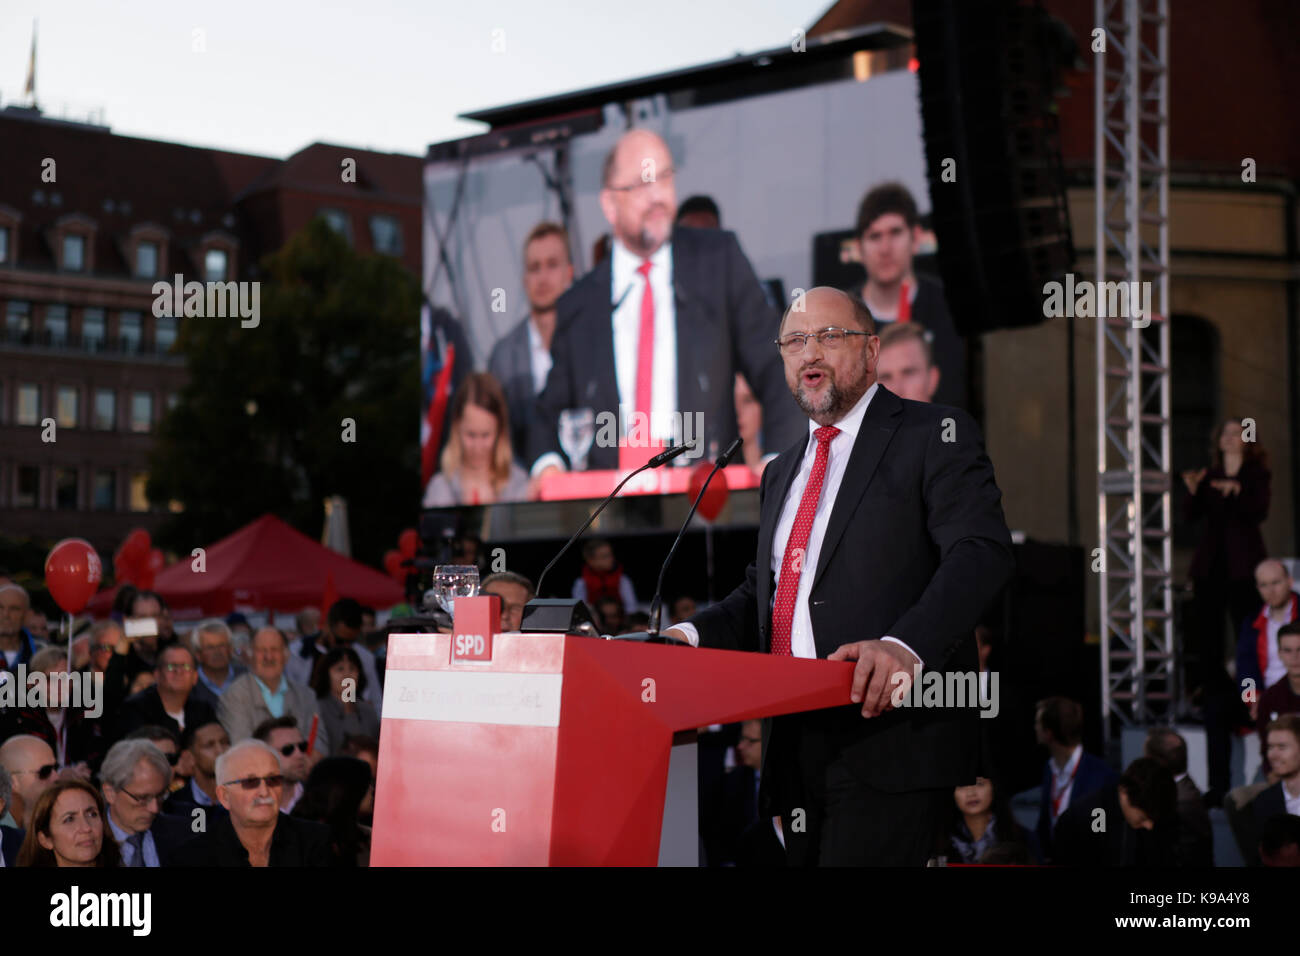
(630, 457)
(797, 546)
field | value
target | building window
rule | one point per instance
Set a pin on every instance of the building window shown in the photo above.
(338, 220)
(65, 489)
(141, 411)
(56, 325)
(18, 321)
(129, 331)
(139, 500)
(27, 492)
(386, 235)
(164, 333)
(4, 245)
(74, 253)
(105, 418)
(67, 400)
(146, 260)
(215, 264)
(28, 411)
(92, 329)
(105, 491)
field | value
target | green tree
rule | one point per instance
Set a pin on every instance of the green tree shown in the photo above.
(260, 426)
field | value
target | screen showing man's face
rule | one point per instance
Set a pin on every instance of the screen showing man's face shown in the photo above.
(887, 248)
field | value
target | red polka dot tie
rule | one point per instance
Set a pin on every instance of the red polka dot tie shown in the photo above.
(797, 545)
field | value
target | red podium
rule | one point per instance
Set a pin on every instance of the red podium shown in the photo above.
(543, 749)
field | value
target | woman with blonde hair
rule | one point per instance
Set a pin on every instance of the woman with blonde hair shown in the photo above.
(477, 465)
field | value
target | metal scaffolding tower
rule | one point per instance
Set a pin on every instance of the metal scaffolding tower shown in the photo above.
(1134, 465)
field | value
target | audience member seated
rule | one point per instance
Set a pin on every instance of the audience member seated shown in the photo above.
(11, 837)
(477, 465)
(169, 743)
(1283, 796)
(265, 692)
(335, 790)
(77, 740)
(1282, 697)
(682, 608)
(981, 820)
(1258, 659)
(17, 646)
(137, 655)
(1195, 837)
(255, 832)
(1070, 775)
(103, 637)
(610, 615)
(515, 591)
(1279, 841)
(602, 576)
(282, 735)
(175, 701)
(204, 743)
(135, 778)
(733, 831)
(215, 647)
(68, 829)
(344, 626)
(340, 685)
(32, 770)
(906, 365)
(1133, 822)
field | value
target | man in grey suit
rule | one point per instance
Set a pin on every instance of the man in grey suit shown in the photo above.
(521, 359)
(265, 692)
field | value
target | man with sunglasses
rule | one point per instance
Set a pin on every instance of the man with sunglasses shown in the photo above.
(136, 778)
(881, 540)
(660, 327)
(176, 700)
(255, 832)
(282, 735)
(31, 766)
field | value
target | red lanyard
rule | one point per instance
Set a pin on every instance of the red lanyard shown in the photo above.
(904, 303)
(1058, 794)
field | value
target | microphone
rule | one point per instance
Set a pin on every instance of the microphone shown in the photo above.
(656, 604)
(654, 462)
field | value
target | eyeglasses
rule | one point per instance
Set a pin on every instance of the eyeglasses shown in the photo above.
(42, 773)
(146, 800)
(830, 339)
(273, 781)
(661, 176)
(178, 668)
(287, 749)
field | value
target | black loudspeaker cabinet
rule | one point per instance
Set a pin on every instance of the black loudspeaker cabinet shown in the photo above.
(988, 69)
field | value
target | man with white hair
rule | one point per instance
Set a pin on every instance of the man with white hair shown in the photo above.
(256, 833)
(215, 647)
(136, 777)
(17, 646)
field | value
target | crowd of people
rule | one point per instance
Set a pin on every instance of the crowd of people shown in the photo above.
(574, 350)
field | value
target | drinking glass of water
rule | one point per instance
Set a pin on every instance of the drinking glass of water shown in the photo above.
(577, 431)
(451, 581)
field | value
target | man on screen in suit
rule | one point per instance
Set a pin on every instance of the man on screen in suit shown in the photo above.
(881, 540)
(659, 327)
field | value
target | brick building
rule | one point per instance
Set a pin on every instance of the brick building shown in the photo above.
(89, 221)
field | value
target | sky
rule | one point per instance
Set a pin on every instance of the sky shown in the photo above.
(273, 76)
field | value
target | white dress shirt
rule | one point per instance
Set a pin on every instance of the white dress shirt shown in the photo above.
(1292, 802)
(539, 357)
(628, 288)
(801, 632)
(1274, 670)
(1062, 784)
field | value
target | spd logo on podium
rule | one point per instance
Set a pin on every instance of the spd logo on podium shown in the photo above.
(477, 620)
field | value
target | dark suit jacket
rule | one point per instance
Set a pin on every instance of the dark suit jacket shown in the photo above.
(915, 549)
(296, 842)
(87, 737)
(1078, 844)
(11, 841)
(724, 325)
(1094, 773)
(512, 365)
(1269, 804)
(146, 709)
(1195, 835)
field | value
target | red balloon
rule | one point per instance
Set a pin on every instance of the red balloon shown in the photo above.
(147, 569)
(72, 573)
(408, 542)
(136, 546)
(393, 565)
(715, 499)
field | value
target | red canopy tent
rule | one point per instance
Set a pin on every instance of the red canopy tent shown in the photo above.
(266, 565)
